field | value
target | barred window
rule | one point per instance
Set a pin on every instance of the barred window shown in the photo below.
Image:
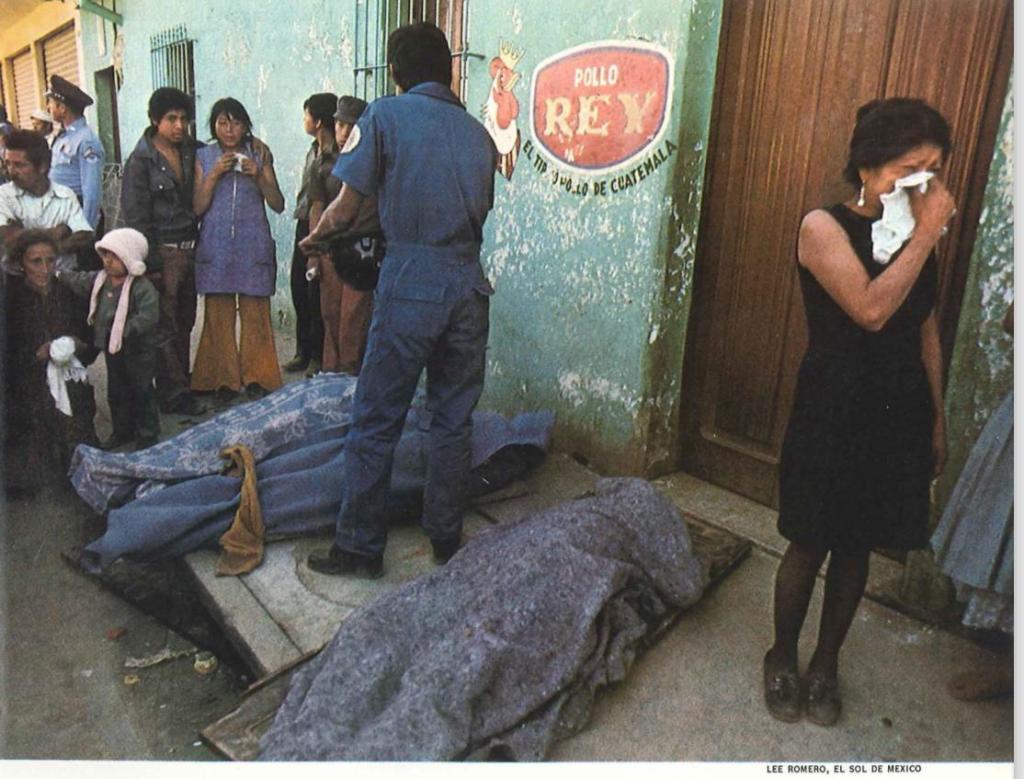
(376, 19)
(172, 62)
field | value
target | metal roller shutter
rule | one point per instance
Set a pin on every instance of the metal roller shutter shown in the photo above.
(25, 99)
(60, 55)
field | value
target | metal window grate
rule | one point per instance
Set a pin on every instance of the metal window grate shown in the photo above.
(172, 61)
(375, 20)
(110, 197)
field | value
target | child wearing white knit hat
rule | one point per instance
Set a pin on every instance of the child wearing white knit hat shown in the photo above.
(124, 308)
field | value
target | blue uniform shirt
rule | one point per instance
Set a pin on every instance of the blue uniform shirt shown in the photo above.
(430, 163)
(76, 161)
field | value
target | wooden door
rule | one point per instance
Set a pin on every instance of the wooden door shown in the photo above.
(791, 74)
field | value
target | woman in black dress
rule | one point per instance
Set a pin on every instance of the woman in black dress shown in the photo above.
(867, 430)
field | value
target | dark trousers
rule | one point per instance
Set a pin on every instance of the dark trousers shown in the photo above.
(130, 392)
(176, 283)
(309, 323)
(429, 314)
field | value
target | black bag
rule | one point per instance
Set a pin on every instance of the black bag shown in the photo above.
(357, 260)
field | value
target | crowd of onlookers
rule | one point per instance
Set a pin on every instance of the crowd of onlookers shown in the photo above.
(192, 222)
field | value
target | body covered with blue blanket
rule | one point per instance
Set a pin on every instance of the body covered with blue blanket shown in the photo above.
(173, 497)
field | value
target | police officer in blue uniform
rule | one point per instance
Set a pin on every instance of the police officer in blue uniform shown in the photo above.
(76, 154)
(432, 166)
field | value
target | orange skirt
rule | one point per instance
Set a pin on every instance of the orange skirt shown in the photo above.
(223, 360)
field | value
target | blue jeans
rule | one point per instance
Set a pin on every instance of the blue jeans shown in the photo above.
(429, 312)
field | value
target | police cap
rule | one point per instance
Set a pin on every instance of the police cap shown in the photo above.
(63, 90)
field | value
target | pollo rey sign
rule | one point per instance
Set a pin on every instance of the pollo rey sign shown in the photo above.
(600, 106)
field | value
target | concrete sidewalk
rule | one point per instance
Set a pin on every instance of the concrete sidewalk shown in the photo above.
(696, 695)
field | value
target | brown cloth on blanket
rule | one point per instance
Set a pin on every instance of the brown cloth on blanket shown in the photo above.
(242, 544)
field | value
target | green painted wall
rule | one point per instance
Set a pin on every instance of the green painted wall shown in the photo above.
(981, 369)
(97, 37)
(593, 291)
(271, 57)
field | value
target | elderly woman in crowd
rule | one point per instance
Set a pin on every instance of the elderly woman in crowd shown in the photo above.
(235, 264)
(48, 403)
(867, 431)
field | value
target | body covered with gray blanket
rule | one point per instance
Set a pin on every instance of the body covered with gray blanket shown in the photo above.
(499, 652)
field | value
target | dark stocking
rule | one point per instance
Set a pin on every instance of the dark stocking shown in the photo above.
(844, 586)
(794, 583)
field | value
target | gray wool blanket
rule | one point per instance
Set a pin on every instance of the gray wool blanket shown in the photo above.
(499, 653)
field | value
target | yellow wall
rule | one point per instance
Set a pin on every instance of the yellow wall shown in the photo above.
(28, 30)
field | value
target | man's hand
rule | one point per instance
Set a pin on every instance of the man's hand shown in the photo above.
(43, 352)
(10, 232)
(312, 245)
(60, 232)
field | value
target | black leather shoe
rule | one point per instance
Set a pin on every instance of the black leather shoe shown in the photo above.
(224, 397)
(445, 548)
(295, 364)
(782, 691)
(115, 442)
(823, 702)
(186, 405)
(338, 562)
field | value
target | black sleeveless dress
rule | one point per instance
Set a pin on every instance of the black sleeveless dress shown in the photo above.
(857, 459)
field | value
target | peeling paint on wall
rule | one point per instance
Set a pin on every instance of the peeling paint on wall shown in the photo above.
(271, 65)
(592, 291)
(629, 27)
(579, 389)
(237, 49)
(516, 15)
(589, 315)
(981, 370)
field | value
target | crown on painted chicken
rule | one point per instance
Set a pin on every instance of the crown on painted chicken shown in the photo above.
(509, 55)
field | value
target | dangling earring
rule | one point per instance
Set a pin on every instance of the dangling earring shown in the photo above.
(860, 200)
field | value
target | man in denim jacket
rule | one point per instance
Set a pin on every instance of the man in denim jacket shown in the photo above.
(156, 200)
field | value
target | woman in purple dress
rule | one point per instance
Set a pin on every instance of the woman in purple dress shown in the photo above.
(235, 264)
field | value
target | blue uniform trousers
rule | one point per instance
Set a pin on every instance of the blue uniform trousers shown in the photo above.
(430, 311)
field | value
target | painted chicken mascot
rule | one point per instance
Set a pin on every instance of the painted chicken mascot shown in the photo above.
(502, 108)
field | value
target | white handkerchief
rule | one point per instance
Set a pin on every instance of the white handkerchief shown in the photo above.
(62, 368)
(896, 226)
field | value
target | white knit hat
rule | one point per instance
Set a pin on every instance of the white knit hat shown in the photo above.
(130, 246)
